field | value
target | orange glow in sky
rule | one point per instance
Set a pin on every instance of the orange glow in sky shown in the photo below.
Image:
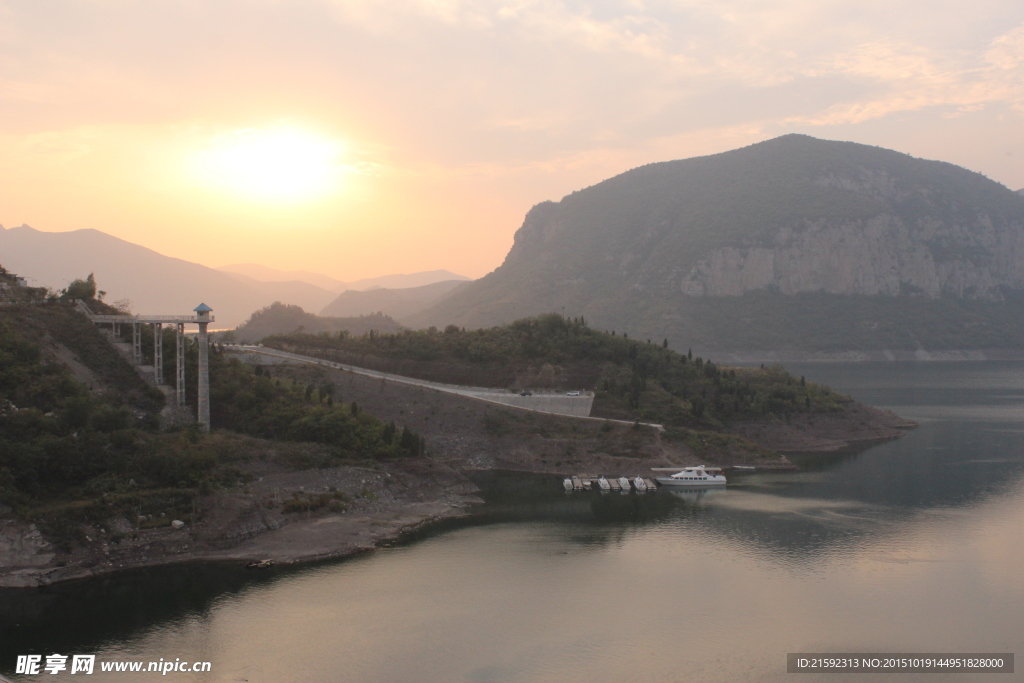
(358, 139)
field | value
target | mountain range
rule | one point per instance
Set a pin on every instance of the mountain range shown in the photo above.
(399, 303)
(792, 243)
(160, 284)
(399, 281)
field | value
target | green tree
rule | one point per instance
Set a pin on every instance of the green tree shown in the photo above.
(81, 289)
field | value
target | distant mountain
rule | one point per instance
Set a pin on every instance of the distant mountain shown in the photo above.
(793, 243)
(427, 277)
(153, 282)
(267, 274)
(1021, 192)
(293, 291)
(397, 303)
(280, 318)
(254, 271)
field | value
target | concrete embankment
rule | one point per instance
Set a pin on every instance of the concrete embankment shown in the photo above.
(541, 402)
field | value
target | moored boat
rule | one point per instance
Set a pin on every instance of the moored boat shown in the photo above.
(567, 484)
(695, 476)
(603, 484)
(260, 564)
(624, 483)
(639, 484)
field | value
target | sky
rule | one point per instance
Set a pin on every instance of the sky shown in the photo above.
(358, 138)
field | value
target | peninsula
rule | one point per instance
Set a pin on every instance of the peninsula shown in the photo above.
(307, 462)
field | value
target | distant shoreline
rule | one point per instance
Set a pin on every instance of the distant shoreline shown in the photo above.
(852, 356)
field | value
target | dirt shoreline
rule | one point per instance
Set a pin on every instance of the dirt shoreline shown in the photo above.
(298, 540)
(245, 524)
(826, 433)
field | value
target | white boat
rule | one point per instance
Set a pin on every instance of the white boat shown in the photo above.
(639, 484)
(695, 476)
(603, 484)
(567, 483)
(624, 483)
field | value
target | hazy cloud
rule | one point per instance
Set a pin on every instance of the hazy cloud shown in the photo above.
(913, 77)
(534, 97)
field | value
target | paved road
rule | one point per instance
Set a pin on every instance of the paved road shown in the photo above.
(552, 402)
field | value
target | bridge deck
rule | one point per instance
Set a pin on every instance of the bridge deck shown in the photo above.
(148, 319)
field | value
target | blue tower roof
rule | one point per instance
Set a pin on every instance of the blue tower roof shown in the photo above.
(202, 308)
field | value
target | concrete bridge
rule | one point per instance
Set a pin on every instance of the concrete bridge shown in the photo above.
(202, 318)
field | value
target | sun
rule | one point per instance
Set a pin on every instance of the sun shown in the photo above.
(271, 164)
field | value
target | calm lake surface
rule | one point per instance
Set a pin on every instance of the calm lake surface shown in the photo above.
(915, 545)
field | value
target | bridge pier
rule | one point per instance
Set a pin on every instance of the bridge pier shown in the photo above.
(158, 353)
(180, 365)
(137, 342)
(203, 399)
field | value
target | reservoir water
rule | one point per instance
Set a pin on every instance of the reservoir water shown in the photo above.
(914, 545)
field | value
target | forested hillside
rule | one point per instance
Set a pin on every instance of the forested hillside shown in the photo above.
(80, 438)
(633, 379)
(281, 318)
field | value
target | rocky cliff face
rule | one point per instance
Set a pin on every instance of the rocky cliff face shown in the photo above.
(963, 254)
(881, 255)
(22, 545)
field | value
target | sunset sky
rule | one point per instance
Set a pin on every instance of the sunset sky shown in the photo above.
(363, 137)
